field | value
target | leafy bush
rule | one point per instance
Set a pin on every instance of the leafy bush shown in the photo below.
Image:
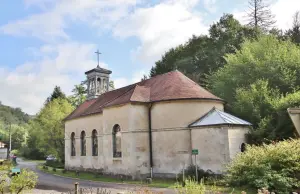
(193, 187)
(54, 164)
(24, 181)
(189, 172)
(15, 152)
(54, 169)
(6, 165)
(275, 166)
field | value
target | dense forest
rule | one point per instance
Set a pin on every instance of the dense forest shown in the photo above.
(14, 120)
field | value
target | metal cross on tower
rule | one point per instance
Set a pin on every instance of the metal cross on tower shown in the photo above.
(98, 53)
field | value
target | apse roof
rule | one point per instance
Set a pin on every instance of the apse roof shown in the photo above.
(218, 117)
(169, 86)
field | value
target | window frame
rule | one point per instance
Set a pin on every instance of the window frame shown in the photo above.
(83, 143)
(73, 141)
(115, 131)
(94, 147)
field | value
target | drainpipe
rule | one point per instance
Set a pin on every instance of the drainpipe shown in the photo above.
(150, 141)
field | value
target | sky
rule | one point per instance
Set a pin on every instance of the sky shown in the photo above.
(45, 43)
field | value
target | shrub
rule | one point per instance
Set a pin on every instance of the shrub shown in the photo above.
(6, 165)
(64, 171)
(275, 167)
(54, 164)
(24, 181)
(4, 181)
(189, 172)
(15, 152)
(54, 169)
(191, 186)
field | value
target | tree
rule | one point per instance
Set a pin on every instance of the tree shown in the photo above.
(260, 15)
(57, 93)
(294, 33)
(144, 77)
(79, 95)
(111, 85)
(46, 134)
(202, 55)
(256, 79)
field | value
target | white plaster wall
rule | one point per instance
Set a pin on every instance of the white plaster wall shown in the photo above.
(133, 121)
(236, 136)
(88, 124)
(181, 113)
(171, 150)
(3, 153)
(212, 144)
(171, 138)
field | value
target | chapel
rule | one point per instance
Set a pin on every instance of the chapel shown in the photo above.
(150, 128)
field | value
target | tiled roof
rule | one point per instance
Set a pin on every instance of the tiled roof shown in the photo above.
(169, 86)
(217, 117)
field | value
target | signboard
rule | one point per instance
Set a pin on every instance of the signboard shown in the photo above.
(194, 151)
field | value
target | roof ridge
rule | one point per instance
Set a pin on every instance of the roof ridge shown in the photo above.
(103, 105)
(135, 91)
(134, 86)
(202, 117)
(70, 115)
(220, 115)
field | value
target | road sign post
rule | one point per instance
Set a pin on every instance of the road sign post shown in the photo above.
(195, 152)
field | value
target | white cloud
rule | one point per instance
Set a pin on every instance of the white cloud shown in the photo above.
(210, 5)
(284, 11)
(31, 83)
(51, 24)
(161, 27)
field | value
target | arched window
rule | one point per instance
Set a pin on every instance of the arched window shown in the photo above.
(243, 147)
(94, 143)
(83, 143)
(117, 148)
(98, 84)
(73, 151)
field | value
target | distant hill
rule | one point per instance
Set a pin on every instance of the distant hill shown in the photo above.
(14, 115)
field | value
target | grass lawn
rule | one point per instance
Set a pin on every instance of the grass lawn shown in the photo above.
(159, 183)
(90, 176)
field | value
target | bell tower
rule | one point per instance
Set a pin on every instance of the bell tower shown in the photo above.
(97, 81)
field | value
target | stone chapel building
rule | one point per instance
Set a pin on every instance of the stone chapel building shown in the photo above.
(150, 128)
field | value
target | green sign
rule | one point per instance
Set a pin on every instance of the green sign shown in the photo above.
(194, 151)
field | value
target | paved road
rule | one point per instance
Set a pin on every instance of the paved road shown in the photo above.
(62, 184)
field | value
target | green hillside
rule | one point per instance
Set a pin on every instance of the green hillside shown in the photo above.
(12, 115)
(14, 120)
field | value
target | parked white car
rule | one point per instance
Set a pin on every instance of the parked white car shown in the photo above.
(51, 158)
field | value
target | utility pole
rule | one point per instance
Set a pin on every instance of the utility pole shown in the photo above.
(9, 138)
